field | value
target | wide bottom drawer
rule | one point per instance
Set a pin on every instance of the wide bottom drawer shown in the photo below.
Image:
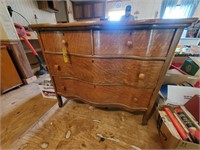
(105, 95)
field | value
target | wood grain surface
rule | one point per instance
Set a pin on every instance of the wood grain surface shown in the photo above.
(19, 57)
(16, 122)
(80, 126)
(30, 121)
(128, 57)
(78, 42)
(136, 24)
(106, 71)
(131, 98)
(162, 74)
(9, 75)
(133, 42)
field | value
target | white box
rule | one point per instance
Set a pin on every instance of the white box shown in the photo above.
(47, 89)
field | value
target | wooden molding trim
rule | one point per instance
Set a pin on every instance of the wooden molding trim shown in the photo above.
(106, 105)
(102, 84)
(113, 25)
(110, 56)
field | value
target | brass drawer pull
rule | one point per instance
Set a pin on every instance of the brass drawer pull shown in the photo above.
(63, 41)
(135, 99)
(57, 67)
(63, 88)
(141, 76)
(129, 44)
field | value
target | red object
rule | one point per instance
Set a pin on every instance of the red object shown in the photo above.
(23, 34)
(177, 64)
(195, 133)
(197, 84)
(176, 124)
(177, 68)
(193, 106)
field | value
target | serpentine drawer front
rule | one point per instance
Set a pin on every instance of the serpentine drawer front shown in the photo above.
(135, 42)
(136, 73)
(112, 64)
(127, 97)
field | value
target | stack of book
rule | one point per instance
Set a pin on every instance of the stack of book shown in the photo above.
(181, 123)
(46, 88)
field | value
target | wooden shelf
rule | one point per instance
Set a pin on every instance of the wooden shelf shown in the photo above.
(48, 5)
(29, 51)
(189, 41)
(33, 36)
(88, 9)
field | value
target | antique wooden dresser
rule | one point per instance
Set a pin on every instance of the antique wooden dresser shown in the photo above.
(111, 63)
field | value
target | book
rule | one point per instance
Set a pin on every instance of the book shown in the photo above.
(193, 106)
(191, 117)
(169, 124)
(164, 90)
(176, 124)
(194, 132)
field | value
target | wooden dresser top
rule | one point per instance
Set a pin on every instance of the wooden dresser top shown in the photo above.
(137, 24)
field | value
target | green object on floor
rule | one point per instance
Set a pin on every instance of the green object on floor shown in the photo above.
(190, 67)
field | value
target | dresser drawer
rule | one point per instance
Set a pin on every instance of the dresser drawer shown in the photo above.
(136, 73)
(78, 42)
(138, 42)
(105, 95)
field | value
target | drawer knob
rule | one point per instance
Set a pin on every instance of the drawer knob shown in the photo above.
(63, 41)
(129, 43)
(141, 76)
(57, 67)
(135, 99)
(63, 88)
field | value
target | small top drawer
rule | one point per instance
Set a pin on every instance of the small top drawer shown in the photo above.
(77, 42)
(153, 42)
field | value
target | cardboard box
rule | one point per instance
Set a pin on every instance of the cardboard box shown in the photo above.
(174, 77)
(47, 89)
(168, 139)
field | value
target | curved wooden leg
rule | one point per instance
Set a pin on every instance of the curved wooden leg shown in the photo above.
(148, 114)
(60, 102)
(145, 118)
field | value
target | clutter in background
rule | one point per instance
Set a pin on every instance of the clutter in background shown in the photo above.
(181, 82)
(179, 100)
(177, 127)
(47, 89)
(187, 50)
(194, 30)
(189, 67)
